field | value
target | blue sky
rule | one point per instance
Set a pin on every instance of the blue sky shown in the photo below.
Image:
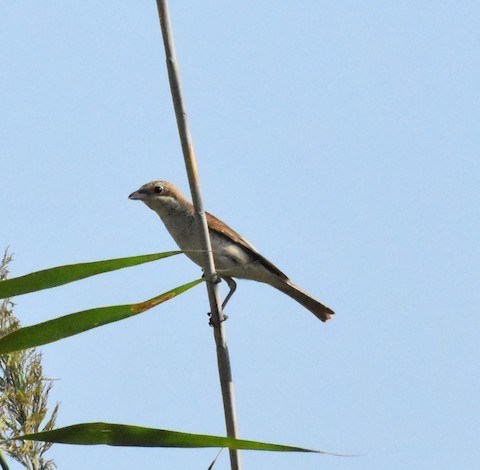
(340, 138)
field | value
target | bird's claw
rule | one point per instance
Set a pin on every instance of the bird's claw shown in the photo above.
(214, 323)
(214, 278)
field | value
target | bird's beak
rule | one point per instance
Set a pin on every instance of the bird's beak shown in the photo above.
(137, 196)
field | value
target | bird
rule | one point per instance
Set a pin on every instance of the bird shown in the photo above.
(233, 255)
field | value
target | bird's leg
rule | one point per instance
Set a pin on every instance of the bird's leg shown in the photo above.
(233, 286)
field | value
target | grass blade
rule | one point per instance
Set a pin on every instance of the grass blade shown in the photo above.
(136, 436)
(61, 275)
(75, 323)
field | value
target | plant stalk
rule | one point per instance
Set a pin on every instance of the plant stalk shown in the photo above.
(211, 277)
(3, 462)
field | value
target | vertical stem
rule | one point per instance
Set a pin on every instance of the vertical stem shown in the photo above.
(3, 462)
(213, 289)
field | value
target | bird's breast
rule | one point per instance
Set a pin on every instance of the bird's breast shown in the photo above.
(231, 258)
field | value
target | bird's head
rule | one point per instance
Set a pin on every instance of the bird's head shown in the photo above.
(160, 196)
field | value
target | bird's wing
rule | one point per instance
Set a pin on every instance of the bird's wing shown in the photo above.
(216, 225)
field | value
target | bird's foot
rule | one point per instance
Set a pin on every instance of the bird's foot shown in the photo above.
(213, 322)
(214, 278)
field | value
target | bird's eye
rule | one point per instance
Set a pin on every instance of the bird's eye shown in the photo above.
(158, 189)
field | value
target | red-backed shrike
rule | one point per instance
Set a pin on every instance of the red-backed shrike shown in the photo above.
(233, 255)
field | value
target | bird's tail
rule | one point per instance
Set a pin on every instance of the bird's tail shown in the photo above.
(318, 309)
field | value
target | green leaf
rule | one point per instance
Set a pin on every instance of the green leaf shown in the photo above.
(60, 275)
(69, 325)
(136, 436)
